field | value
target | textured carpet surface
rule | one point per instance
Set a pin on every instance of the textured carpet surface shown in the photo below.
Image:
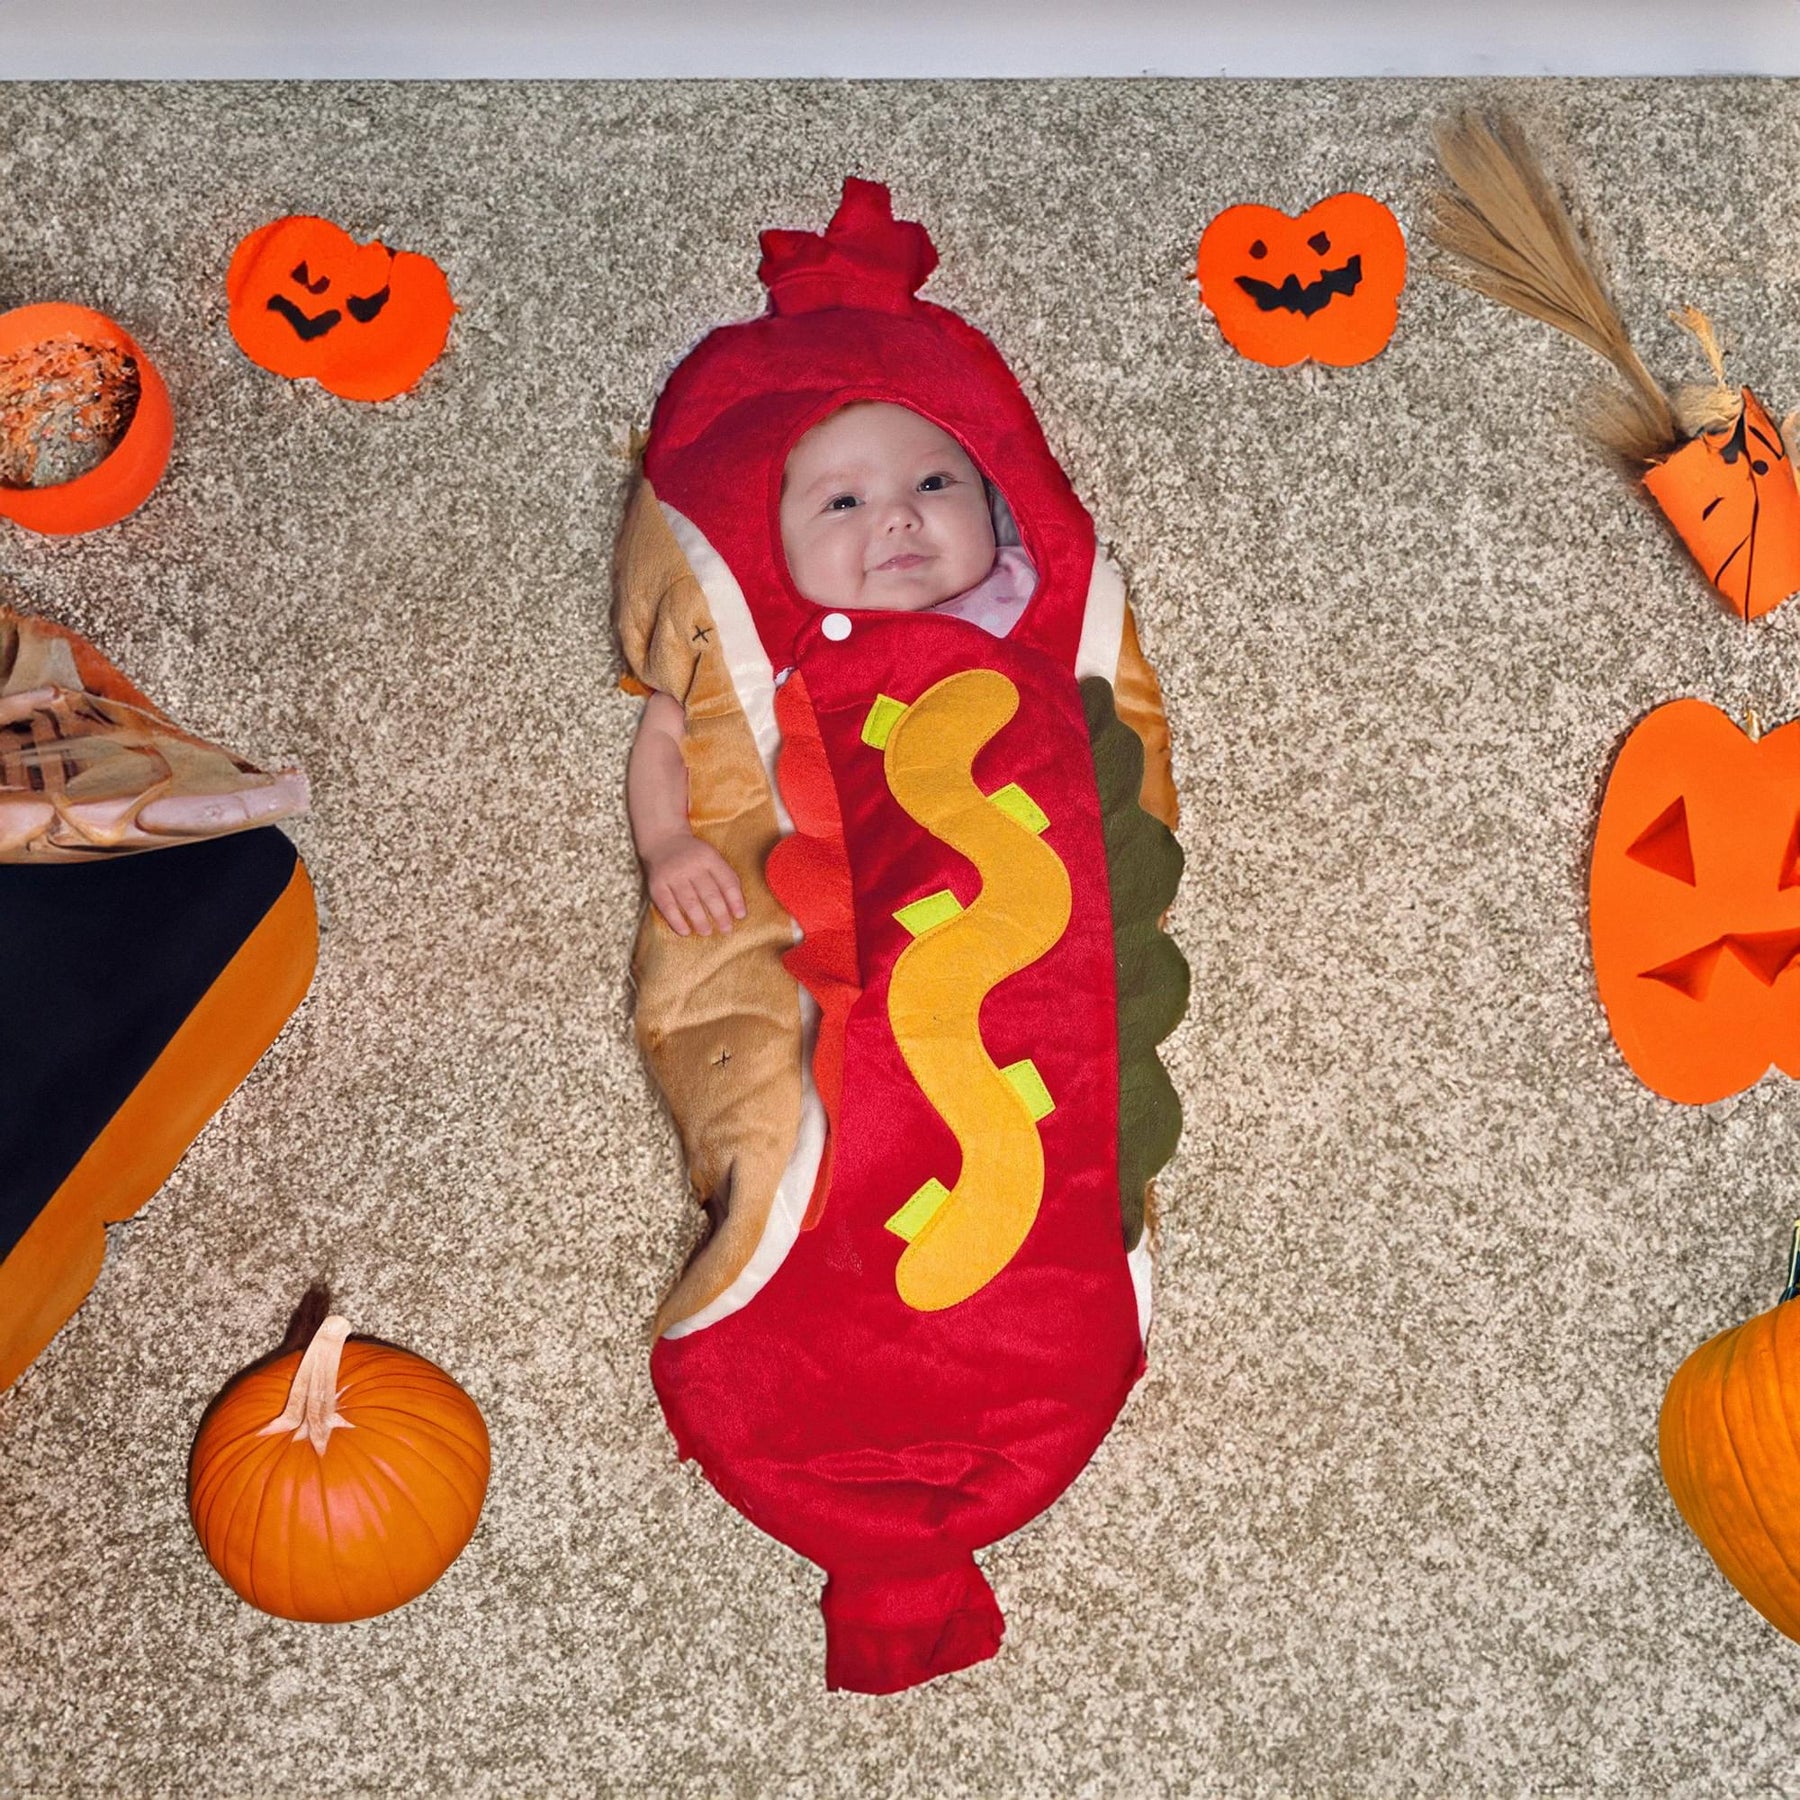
(1385, 1515)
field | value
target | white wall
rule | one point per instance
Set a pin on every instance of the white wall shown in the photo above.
(621, 38)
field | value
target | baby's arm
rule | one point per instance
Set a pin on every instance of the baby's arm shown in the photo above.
(690, 882)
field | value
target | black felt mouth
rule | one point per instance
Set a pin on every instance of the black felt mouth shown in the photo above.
(1314, 297)
(309, 326)
(306, 327)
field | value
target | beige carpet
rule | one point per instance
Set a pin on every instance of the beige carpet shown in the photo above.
(1385, 1514)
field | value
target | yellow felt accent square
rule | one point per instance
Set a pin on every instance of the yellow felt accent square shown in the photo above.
(919, 1211)
(1017, 804)
(884, 715)
(934, 909)
(1029, 1086)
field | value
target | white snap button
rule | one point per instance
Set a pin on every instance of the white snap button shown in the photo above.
(836, 627)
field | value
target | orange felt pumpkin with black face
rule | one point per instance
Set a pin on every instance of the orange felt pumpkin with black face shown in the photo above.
(1324, 287)
(363, 321)
(1731, 495)
(1695, 902)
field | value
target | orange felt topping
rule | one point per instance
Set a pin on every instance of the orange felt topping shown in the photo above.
(1323, 287)
(1732, 496)
(362, 320)
(1695, 902)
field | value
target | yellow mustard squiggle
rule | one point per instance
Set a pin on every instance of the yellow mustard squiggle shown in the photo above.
(940, 980)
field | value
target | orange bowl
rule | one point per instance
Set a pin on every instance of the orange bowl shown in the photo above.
(122, 482)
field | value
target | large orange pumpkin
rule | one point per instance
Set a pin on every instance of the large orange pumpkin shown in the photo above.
(1732, 497)
(1730, 1453)
(1695, 902)
(1325, 286)
(362, 320)
(340, 1483)
(122, 480)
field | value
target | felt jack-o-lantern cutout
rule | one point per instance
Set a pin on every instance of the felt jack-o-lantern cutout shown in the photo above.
(75, 389)
(1695, 900)
(1731, 1456)
(363, 321)
(1732, 496)
(1323, 287)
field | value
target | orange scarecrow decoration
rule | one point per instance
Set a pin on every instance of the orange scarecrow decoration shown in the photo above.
(85, 425)
(363, 321)
(1323, 287)
(1710, 456)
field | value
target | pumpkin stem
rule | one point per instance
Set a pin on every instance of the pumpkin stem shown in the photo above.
(1793, 1281)
(311, 1410)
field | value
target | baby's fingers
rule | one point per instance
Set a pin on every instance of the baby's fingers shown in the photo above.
(733, 891)
(713, 894)
(677, 903)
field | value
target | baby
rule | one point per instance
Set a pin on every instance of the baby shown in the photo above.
(880, 509)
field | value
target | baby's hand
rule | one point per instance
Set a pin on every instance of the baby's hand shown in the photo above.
(693, 886)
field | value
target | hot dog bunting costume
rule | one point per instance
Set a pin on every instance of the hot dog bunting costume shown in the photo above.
(918, 1084)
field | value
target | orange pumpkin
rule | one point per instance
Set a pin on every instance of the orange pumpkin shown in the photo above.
(122, 479)
(364, 321)
(1732, 497)
(1695, 902)
(1325, 286)
(1731, 1454)
(337, 1484)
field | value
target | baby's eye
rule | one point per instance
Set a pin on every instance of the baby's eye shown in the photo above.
(934, 484)
(840, 503)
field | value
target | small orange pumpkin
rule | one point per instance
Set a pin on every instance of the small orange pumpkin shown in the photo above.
(337, 1484)
(1695, 902)
(122, 479)
(1325, 286)
(1731, 1455)
(364, 321)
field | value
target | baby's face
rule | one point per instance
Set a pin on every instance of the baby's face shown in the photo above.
(879, 508)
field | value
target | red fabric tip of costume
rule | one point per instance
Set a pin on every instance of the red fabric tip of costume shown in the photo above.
(866, 258)
(887, 1632)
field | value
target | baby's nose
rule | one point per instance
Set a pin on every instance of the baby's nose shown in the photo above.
(902, 515)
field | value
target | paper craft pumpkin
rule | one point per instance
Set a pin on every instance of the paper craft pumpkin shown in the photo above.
(1732, 496)
(1731, 1456)
(1323, 287)
(926, 1127)
(1695, 902)
(339, 1478)
(363, 321)
(55, 333)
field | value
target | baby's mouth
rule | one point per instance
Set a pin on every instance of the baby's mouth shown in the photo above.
(894, 564)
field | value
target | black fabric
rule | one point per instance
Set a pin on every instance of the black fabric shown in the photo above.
(100, 962)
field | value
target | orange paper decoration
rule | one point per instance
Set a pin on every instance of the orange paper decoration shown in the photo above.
(1323, 287)
(121, 482)
(363, 321)
(1731, 1454)
(1695, 902)
(339, 1483)
(1732, 496)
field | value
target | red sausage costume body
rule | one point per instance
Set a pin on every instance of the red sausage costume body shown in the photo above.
(917, 1085)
